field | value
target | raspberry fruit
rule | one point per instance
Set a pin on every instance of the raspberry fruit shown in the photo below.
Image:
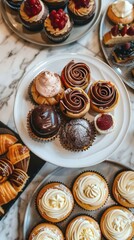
(104, 122)
(58, 18)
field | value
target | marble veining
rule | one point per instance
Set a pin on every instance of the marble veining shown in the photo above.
(17, 57)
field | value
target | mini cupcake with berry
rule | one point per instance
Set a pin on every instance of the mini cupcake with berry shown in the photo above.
(32, 14)
(53, 4)
(81, 11)
(58, 26)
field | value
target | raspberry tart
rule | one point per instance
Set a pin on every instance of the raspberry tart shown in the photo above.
(104, 123)
(33, 14)
(81, 11)
(124, 53)
(58, 26)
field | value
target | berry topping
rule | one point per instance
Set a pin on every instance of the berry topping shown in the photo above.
(58, 18)
(104, 122)
(127, 45)
(115, 30)
(123, 31)
(81, 3)
(32, 7)
(130, 31)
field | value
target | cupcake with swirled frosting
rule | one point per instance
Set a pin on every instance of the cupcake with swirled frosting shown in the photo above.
(117, 223)
(104, 96)
(83, 227)
(75, 103)
(46, 231)
(81, 11)
(76, 74)
(90, 190)
(55, 202)
(123, 188)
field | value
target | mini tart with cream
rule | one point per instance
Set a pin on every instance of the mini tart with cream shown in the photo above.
(58, 25)
(53, 4)
(55, 202)
(104, 96)
(121, 11)
(81, 11)
(83, 227)
(117, 223)
(46, 231)
(75, 103)
(32, 14)
(76, 74)
(90, 190)
(14, 4)
(123, 188)
(46, 88)
(104, 123)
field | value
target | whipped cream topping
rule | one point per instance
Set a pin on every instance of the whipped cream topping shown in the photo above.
(118, 224)
(56, 203)
(82, 229)
(47, 234)
(57, 31)
(48, 84)
(34, 18)
(122, 8)
(82, 11)
(91, 190)
(125, 186)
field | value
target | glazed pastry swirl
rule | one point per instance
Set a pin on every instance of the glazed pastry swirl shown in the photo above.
(47, 234)
(56, 203)
(126, 186)
(74, 100)
(118, 224)
(103, 94)
(82, 11)
(76, 74)
(91, 190)
(82, 229)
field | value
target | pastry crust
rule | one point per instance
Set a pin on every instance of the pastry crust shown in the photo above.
(6, 140)
(117, 20)
(116, 194)
(84, 205)
(125, 60)
(7, 193)
(109, 40)
(102, 225)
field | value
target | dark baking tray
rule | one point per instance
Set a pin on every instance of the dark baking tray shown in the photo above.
(35, 165)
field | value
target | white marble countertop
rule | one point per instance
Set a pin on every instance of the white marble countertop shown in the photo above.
(16, 58)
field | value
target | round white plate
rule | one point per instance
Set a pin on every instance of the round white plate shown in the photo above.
(53, 152)
(12, 20)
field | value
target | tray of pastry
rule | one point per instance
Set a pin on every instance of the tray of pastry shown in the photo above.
(18, 166)
(12, 19)
(74, 200)
(117, 40)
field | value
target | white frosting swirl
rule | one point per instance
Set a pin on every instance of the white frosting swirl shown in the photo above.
(122, 8)
(82, 229)
(56, 31)
(125, 186)
(91, 190)
(35, 18)
(48, 84)
(47, 234)
(56, 203)
(117, 224)
(82, 11)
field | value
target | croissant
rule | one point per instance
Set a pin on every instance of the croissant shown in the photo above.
(6, 168)
(6, 140)
(7, 193)
(18, 179)
(17, 153)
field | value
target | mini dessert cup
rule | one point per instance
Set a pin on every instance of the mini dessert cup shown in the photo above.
(104, 123)
(55, 202)
(90, 190)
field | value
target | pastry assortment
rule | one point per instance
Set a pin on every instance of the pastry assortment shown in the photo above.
(56, 203)
(53, 19)
(14, 162)
(62, 101)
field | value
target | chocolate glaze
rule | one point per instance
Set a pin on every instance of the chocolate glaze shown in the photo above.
(6, 168)
(76, 74)
(103, 94)
(18, 178)
(45, 121)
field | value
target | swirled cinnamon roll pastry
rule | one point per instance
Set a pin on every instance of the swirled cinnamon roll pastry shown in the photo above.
(75, 103)
(104, 96)
(76, 75)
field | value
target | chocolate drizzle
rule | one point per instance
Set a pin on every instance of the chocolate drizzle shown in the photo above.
(18, 178)
(6, 168)
(76, 74)
(103, 94)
